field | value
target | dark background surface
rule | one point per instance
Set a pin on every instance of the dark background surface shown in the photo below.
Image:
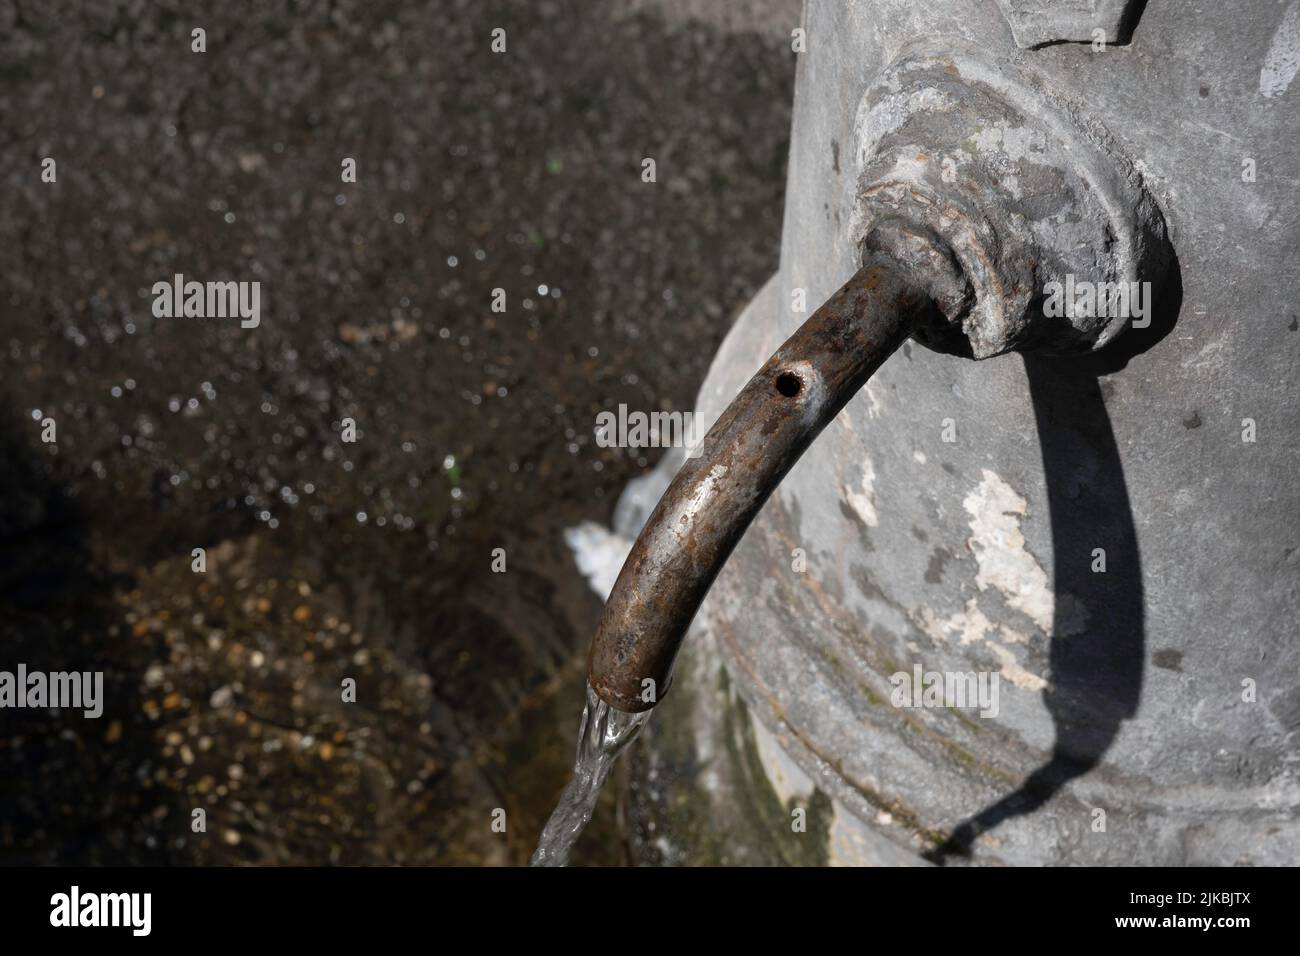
(475, 171)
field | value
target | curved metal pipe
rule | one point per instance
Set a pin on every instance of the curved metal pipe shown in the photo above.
(754, 443)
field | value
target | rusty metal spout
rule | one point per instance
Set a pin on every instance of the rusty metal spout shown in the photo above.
(754, 443)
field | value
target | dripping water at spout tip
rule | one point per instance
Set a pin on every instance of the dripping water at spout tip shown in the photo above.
(754, 443)
(604, 733)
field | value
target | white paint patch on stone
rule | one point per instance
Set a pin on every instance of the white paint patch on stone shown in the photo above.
(1010, 636)
(1282, 61)
(1012, 670)
(999, 549)
(874, 408)
(970, 625)
(973, 626)
(863, 498)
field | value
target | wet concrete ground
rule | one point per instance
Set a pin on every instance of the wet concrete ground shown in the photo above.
(328, 560)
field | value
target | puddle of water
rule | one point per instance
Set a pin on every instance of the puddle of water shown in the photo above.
(603, 735)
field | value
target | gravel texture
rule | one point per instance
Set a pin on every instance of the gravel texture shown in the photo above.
(326, 559)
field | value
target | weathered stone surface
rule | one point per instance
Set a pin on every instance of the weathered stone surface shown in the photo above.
(1035, 22)
(1122, 691)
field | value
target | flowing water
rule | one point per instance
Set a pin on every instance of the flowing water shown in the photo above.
(604, 734)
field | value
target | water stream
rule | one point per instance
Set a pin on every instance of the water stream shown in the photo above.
(603, 735)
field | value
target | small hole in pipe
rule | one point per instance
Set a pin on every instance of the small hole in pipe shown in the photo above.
(788, 384)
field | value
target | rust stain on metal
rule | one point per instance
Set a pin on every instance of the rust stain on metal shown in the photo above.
(755, 442)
